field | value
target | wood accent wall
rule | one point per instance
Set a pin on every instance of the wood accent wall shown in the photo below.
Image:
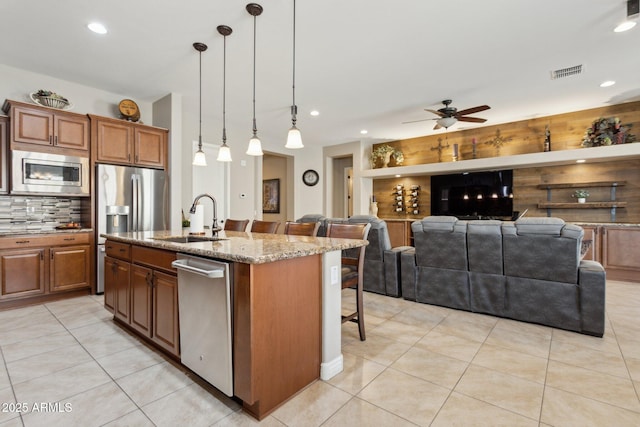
(567, 131)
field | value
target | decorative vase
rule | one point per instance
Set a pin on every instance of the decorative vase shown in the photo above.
(387, 159)
(373, 209)
(582, 199)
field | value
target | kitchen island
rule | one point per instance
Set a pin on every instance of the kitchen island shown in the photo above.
(286, 297)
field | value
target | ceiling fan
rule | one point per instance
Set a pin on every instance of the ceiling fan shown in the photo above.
(448, 116)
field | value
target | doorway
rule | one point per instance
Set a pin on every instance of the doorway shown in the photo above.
(342, 191)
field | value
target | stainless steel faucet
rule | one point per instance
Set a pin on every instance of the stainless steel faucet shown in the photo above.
(214, 227)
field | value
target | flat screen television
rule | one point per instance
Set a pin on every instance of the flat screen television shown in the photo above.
(473, 195)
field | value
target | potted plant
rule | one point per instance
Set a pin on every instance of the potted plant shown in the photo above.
(581, 195)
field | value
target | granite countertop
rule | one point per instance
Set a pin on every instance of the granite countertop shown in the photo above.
(249, 248)
(40, 232)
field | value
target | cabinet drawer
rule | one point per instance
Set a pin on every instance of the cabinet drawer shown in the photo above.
(69, 239)
(118, 250)
(40, 240)
(151, 257)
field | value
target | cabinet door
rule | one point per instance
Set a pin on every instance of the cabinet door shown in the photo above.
(150, 147)
(110, 283)
(122, 291)
(4, 129)
(69, 268)
(165, 312)
(141, 290)
(592, 233)
(32, 126)
(71, 132)
(620, 249)
(398, 235)
(22, 272)
(114, 142)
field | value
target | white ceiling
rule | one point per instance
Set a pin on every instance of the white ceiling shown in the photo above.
(363, 64)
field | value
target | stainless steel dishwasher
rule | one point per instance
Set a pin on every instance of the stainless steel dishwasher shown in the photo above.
(205, 305)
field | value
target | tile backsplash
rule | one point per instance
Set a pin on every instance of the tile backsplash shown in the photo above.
(26, 213)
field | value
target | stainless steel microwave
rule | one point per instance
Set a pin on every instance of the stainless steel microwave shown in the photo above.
(46, 173)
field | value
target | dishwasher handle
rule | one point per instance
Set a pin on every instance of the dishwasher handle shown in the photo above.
(183, 264)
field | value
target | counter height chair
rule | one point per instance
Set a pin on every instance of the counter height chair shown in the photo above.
(264, 226)
(236, 224)
(301, 228)
(352, 267)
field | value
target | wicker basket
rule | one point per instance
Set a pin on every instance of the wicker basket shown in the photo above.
(49, 101)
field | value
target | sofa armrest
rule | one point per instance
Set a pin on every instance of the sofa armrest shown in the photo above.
(408, 272)
(592, 281)
(392, 271)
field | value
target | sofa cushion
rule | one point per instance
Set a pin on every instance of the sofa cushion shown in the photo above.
(540, 225)
(441, 223)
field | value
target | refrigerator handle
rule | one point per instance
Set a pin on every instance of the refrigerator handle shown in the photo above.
(134, 202)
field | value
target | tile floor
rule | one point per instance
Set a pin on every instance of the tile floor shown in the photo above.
(420, 365)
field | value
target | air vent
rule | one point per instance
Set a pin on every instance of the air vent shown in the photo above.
(566, 72)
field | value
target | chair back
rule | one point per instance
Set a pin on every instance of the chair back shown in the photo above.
(264, 226)
(301, 228)
(236, 224)
(351, 231)
(322, 230)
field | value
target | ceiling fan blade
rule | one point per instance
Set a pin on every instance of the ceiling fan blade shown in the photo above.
(436, 112)
(472, 110)
(472, 119)
(415, 121)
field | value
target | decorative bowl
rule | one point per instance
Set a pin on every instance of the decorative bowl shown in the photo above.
(52, 100)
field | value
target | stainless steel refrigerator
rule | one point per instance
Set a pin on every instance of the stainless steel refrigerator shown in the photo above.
(129, 199)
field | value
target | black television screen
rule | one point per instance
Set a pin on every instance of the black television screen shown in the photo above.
(473, 195)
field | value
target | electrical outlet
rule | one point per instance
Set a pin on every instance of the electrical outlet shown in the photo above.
(334, 274)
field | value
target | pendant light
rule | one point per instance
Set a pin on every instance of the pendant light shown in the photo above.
(294, 138)
(255, 146)
(224, 154)
(199, 158)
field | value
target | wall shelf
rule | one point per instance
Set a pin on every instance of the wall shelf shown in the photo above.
(611, 204)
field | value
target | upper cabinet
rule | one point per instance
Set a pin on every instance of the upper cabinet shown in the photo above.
(125, 143)
(4, 131)
(36, 128)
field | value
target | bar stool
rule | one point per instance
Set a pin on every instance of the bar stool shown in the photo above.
(236, 224)
(352, 267)
(301, 228)
(264, 226)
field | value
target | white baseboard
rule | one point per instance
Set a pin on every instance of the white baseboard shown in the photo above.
(332, 368)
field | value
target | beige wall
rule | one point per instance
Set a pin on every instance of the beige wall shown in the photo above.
(275, 167)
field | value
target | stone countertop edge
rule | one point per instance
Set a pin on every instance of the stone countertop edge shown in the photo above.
(40, 232)
(248, 248)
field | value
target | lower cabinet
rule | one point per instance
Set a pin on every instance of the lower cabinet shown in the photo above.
(620, 249)
(592, 232)
(22, 272)
(44, 265)
(149, 293)
(69, 268)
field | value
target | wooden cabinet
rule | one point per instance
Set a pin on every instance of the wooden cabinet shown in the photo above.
(621, 252)
(154, 297)
(52, 130)
(400, 232)
(117, 280)
(45, 264)
(22, 272)
(120, 142)
(4, 163)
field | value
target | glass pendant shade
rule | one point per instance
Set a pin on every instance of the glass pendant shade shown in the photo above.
(224, 154)
(199, 159)
(294, 138)
(445, 122)
(255, 147)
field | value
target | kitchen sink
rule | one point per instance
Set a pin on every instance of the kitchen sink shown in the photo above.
(189, 239)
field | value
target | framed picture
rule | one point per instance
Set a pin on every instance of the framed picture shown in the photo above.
(271, 196)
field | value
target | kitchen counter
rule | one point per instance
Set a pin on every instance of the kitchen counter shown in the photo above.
(286, 304)
(40, 232)
(249, 248)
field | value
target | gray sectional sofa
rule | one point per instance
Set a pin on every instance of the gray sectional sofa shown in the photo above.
(529, 270)
(381, 261)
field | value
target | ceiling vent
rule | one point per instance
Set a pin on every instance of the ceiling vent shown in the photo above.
(566, 72)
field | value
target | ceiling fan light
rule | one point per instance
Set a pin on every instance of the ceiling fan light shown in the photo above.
(446, 122)
(255, 147)
(624, 26)
(199, 159)
(294, 138)
(224, 153)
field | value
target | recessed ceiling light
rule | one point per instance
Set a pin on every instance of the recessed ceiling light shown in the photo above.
(607, 83)
(580, 161)
(625, 26)
(398, 176)
(315, 113)
(97, 28)
(364, 131)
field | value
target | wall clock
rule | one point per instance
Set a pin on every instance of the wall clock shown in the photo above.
(310, 177)
(129, 110)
